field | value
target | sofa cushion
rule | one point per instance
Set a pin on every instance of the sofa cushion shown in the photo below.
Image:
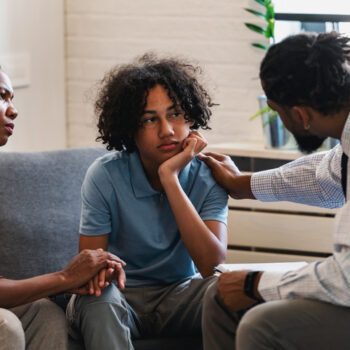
(40, 209)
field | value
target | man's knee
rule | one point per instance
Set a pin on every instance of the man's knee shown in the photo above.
(11, 331)
(258, 326)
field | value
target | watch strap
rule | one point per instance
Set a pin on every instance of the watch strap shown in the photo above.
(249, 285)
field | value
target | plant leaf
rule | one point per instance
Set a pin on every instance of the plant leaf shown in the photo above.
(260, 112)
(255, 28)
(269, 32)
(256, 13)
(260, 46)
(261, 2)
(270, 13)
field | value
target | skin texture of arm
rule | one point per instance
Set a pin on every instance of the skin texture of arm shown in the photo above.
(227, 175)
(76, 274)
(205, 241)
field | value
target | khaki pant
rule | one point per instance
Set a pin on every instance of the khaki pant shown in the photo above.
(110, 321)
(39, 325)
(296, 324)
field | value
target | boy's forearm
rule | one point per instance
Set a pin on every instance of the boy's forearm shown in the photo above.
(93, 242)
(206, 248)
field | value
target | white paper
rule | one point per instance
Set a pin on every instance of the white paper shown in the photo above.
(270, 267)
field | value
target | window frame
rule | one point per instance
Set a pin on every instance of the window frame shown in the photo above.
(311, 17)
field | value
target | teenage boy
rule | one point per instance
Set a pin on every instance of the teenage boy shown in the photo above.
(153, 204)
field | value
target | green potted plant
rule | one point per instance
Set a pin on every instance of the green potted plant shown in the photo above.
(269, 16)
(276, 136)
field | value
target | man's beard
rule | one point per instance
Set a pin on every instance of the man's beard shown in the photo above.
(308, 144)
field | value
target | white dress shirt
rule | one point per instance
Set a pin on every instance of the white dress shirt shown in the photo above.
(313, 180)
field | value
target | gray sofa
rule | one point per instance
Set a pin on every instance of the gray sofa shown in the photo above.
(39, 218)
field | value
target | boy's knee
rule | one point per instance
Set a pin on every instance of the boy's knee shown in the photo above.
(11, 331)
(210, 296)
(110, 295)
(111, 303)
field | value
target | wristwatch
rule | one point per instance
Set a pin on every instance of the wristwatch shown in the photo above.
(249, 285)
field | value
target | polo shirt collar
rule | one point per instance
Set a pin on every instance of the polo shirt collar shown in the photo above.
(139, 181)
(345, 137)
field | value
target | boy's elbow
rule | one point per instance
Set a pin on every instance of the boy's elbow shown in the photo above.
(207, 269)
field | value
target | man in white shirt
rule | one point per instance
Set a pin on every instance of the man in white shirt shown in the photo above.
(306, 79)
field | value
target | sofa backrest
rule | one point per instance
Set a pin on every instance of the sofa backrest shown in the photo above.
(40, 209)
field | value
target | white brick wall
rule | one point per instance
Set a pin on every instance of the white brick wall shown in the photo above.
(35, 30)
(100, 34)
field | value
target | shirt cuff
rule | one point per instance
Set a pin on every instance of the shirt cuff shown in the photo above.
(261, 184)
(268, 286)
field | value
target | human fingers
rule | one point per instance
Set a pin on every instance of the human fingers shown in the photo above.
(111, 273)
(102, 278)
(91, 287)
(188, 141)
(212, 162)
(121, 279)
(194, 143)
(115, 265)
(197, 135)
(83, 290)
(96, 285)
(109, 276)
(217, 156)
(114, 259)
(201, 141)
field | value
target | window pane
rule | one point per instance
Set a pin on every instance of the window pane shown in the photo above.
(340, 7)
(286, 28)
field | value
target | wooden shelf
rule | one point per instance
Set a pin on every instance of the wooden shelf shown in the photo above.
(253, 150)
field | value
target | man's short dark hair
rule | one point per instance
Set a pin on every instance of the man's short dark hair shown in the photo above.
(309, 69)
(124, 92)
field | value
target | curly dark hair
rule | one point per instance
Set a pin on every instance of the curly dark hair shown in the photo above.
(123, 96)
(309, 69)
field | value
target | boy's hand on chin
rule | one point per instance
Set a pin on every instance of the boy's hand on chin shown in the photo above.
(191, 146)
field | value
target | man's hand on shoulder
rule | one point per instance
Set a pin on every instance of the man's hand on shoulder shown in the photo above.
(227, 175)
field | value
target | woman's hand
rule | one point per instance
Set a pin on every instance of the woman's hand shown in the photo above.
(102, 280)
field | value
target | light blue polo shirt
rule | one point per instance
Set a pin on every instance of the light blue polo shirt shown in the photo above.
(118, 199)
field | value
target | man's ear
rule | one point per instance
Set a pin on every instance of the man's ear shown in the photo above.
(304, 116)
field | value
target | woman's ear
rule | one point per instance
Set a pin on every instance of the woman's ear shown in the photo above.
(304, 116)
